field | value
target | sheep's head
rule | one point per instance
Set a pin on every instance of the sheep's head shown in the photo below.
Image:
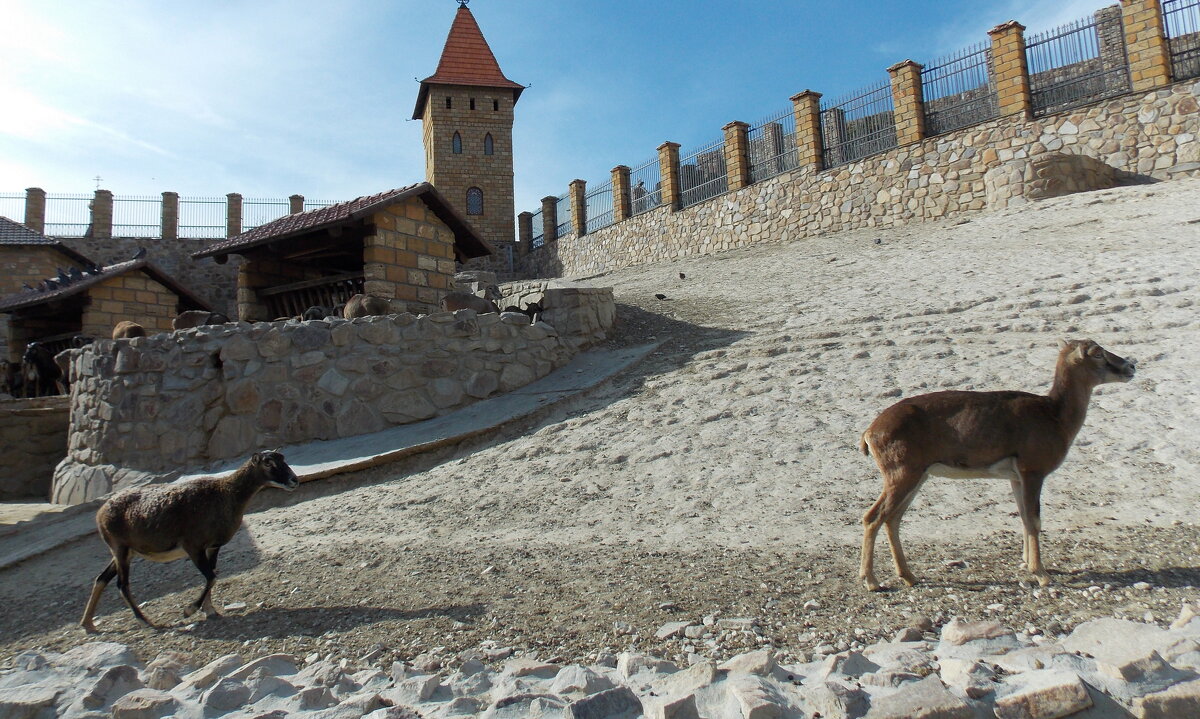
(1102, 366)
(274, 470)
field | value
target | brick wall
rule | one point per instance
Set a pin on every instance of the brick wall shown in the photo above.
(28, 265)
(410, 257)
(133, 296)
(454, 173)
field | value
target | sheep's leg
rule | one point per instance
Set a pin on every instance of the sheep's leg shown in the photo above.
(121, 557)
(98, 586)
(206, 561)
(1019, 497)
(1030, 507)
(899, 488)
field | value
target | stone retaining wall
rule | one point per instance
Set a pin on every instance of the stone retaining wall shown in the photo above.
(33, 438)
(187, 399)
(1145, 135)
(1050, 174)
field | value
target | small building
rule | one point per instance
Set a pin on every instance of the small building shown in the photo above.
(91, 301)
(401, 245)
(26, 258)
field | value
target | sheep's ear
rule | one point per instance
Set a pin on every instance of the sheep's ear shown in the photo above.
(1062, 344)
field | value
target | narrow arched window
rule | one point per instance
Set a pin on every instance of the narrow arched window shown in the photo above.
(456, 144)
(474, 201)
(449, 102)
(495, 106)
(489, 147)
(472, 103)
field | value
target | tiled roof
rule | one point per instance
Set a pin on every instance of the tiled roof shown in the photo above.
(467, 243)
(30, 298)
(467, 59)
(15, 234)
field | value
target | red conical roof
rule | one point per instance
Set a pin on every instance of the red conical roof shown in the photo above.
(466, 60)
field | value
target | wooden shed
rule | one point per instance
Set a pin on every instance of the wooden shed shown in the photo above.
(400, 245)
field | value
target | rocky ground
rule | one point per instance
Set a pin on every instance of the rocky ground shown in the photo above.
(721, 479)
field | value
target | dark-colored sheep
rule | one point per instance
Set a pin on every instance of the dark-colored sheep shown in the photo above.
(196, 318)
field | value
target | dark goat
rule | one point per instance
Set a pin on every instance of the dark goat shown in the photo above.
(12, 379)
(533, 310)
(316, 312)
(196, 318)
(165, 522)
(40, 373)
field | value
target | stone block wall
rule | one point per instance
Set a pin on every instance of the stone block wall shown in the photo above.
(410, 257)
(133, 296)
(25, 265)
(213, 283)
(33, 438)
(187, 399)
(1147, 135)
(1048, 175)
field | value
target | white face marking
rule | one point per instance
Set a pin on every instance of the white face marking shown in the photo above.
(1004, 469)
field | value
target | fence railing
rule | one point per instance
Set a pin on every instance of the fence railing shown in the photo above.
(645, 183)
(859, 125)
(292, 299)
(1077, 64)
(1181, 23)
(599, 204)
(256, 211)
(68, 215)
(12, 206)
(137, 216)
(702, 174)
(958, 91)
(772, 146)
(317, 204)
(562, 211)
(539, 231)
(202, 217)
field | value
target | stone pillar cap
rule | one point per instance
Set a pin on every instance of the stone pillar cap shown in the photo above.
(525, 214)
(1005, 26)
(577, 181)
(805, 93)
(735, 123)
(34, 189)
(550, 198)
(621, 168)
(904, 63)
(234, 194)
(669, 144)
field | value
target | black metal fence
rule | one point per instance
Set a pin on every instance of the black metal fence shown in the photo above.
(859, 125)
(12, 206)
(562, 211)
(958, 91)
(1181, 23)
(259, 211)
(702, 174)
(645, 187)
(772, 146)
(137, 216)
(317, 204)
(327, 292)
(539, 232)
(1078, 63)
(202, 217)
(68, 215)
(599, 206)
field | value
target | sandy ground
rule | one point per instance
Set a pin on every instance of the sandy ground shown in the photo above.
(722, 476)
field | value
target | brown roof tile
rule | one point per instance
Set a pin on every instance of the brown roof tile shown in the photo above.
(467, 59)
(30, 298)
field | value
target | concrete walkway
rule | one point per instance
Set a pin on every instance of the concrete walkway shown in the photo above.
(316, 460)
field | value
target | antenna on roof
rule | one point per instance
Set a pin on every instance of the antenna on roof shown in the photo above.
(463, 3)
(98, 180)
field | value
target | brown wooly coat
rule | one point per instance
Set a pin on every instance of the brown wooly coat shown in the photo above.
(126, 329)
(365, 306)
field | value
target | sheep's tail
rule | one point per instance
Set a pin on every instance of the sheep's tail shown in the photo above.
(862, 444)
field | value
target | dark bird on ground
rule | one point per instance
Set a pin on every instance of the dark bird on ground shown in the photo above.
(76, 274)
(660, 296)
(878, 241)
(25, 285)
(141, 252)
(682, 276)
(93, 270)
(63, 278)
(51, 285)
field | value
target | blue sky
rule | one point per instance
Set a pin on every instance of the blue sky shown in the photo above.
(272, 97)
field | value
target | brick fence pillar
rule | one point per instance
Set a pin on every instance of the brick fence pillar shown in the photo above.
(622, 203)
(233, 214)
(737, 154)
(810, 150)
(549, 218)
(295, 204)
(1009, 69)
(909, 107)
(524, 233)
(170, 215)
(35, 209)
(668, 167)
(1146, 44)
(102, 215)
(579, 207)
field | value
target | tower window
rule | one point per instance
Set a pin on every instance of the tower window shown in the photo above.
(472, 103)
(456, 144)
(489, 147)
(449, 102)
(474, 201)
(495, 106)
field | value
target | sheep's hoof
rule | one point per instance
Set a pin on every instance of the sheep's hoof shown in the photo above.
(871, 584)
(1043, 578)
(90, 628)
(909, 579)
(189, 610)
(213, 614)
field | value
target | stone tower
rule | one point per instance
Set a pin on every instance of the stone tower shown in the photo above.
(466, 109)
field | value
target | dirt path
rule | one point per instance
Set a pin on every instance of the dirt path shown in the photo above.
(721, 477)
